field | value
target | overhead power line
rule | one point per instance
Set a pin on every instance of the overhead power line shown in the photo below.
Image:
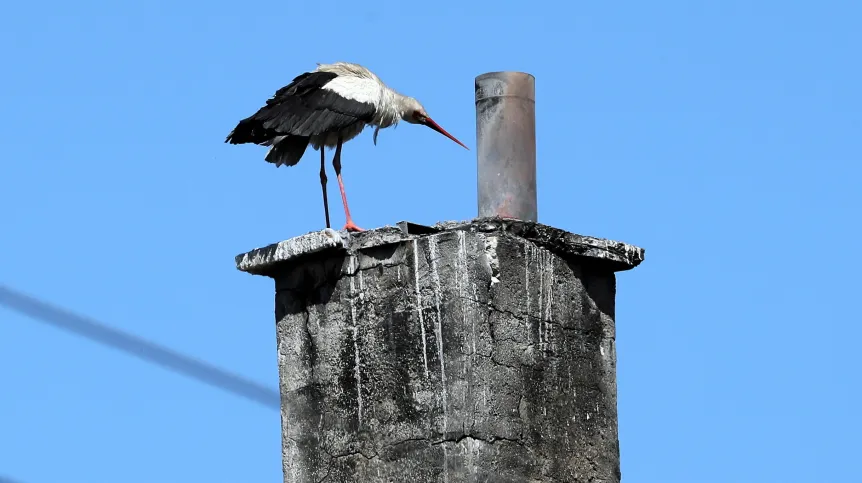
(138, 347)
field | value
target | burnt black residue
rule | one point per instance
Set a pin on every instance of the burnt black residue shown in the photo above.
(311, 281)
(347, 400)
(399, 352)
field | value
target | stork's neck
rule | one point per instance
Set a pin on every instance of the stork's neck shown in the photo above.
(391, 108)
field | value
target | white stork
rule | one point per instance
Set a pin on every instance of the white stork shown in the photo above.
(326, 108)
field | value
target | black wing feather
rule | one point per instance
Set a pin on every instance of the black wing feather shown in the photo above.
(301, 108)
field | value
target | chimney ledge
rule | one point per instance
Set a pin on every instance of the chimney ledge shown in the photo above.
(613, 255)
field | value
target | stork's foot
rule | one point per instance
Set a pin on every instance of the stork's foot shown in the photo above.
(350, 226)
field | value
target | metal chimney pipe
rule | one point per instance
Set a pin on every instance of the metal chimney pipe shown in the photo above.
(506, 139)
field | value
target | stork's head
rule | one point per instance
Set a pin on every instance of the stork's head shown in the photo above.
(413, 112)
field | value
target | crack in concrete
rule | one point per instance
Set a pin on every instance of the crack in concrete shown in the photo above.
(492, 440)
(335, 457)
(524, 317)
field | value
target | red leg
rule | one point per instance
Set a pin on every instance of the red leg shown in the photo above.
(336, 163)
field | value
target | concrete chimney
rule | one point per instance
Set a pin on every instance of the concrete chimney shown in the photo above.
(465, 351)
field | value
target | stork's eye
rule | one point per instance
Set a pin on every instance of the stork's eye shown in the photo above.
(417, 115)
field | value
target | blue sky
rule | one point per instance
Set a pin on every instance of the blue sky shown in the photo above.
(722, 136)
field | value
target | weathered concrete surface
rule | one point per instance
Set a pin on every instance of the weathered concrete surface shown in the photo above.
(483, 352)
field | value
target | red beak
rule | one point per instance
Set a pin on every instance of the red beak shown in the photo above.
(433, 125)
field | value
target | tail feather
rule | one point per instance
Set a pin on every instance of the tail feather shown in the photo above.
(249, 130)
(286, 150)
